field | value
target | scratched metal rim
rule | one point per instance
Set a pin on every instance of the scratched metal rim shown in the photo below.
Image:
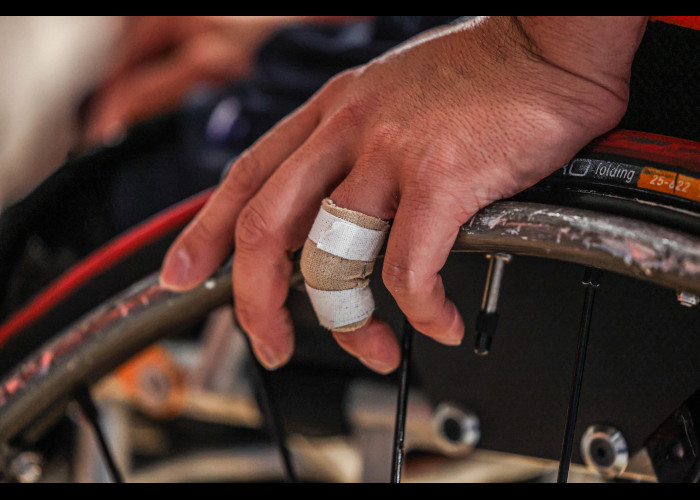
(106, 337)
(626, 246)
(101, 341)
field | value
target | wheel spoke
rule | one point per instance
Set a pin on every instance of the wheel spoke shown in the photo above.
(91, 414)
(402, 403)
(271, 411)
(591, 281)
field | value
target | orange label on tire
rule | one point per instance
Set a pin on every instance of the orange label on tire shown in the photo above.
(657, 180)
(688, 187)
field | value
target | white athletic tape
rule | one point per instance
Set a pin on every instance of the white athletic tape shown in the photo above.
(338, 308)
(336, 262)
(345, 239)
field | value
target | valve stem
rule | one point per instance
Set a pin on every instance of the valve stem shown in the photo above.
(487, 318)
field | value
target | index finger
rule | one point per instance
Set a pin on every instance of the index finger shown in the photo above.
(208, 240)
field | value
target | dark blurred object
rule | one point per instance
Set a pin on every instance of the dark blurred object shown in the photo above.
(99, 194)
(664, 93)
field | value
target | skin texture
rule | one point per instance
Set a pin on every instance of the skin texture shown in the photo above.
(425, 135)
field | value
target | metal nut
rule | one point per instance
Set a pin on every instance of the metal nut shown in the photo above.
(688, 299)
(458, 430)
(604, 450)
(26, 467)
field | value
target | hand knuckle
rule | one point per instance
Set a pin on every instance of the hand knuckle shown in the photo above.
(385, 137)
(204, 231)
(350, 115)
(206, 55)
(339, 83)
(398, 278)
(242, 175)
(252, 229)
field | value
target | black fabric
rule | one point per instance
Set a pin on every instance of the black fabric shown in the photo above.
(300, 60)
(665, 83)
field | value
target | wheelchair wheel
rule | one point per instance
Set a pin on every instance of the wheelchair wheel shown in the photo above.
(627, 211)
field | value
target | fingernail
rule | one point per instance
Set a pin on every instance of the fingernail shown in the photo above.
(455, 335)
(271, 358)
(453, 341)
(378, 365)
(176, 270)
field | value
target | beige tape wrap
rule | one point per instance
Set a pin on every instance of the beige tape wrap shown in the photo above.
(326, 271)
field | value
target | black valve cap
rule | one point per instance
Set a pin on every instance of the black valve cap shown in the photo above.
(485, 328)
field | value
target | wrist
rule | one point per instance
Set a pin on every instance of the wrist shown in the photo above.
(577, 68)
(596, 48)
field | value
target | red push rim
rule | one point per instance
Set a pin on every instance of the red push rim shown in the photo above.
(102, 259)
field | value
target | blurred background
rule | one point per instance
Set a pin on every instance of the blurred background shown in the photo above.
(49, 65)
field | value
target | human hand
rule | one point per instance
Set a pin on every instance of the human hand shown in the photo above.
(162, 57)
(425, 135)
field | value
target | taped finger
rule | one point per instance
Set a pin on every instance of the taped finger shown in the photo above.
(337, 260)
